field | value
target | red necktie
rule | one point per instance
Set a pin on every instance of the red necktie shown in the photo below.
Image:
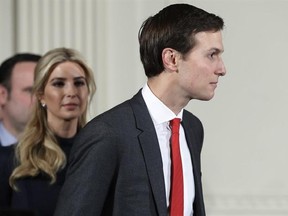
(176, 191)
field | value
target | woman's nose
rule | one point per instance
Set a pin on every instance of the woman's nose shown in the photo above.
(71, 90)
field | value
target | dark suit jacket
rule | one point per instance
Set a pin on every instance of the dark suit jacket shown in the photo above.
(116, 167)
(6, 168)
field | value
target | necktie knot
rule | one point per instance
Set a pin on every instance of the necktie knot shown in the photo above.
(175, 124)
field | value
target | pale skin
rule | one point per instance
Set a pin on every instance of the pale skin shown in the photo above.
(65, 97)
(16, 106)
(195, 77)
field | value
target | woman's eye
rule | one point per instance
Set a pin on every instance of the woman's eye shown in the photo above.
(80, 83)
(58, 84)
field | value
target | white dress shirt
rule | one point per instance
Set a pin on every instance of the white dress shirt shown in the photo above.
(161, 116)
(6, 139)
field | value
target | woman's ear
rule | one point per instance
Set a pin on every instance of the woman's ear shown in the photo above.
(169, 58)
(3, 95)
(40, 98)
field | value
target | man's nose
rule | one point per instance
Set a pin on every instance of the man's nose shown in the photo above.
(222, 69)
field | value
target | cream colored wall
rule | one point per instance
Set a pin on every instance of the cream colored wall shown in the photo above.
(6, 29)
(244, 158)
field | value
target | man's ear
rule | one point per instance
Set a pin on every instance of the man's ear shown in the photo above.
(3, 95)
(169, 58)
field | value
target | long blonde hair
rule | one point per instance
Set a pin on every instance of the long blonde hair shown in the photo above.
(38, 150)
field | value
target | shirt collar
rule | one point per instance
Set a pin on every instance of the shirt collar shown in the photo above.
(6, 138)
(159, 112)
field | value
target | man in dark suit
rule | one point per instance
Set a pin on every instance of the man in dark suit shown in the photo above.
(16, 82)
(120, 163)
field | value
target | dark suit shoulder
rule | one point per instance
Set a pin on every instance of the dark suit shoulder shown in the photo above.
(121, 118)
(117, 114)
(120, 113)
(6, 168)
(6, 154)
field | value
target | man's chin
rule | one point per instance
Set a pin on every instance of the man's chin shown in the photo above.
(206, 97)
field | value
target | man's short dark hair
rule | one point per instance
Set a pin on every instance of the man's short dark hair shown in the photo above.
(173, 27)
(7, 66)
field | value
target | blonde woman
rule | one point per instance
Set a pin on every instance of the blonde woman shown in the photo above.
(63, 86)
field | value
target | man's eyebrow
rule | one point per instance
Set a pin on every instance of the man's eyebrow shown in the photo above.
(28, 88)
(217, 50)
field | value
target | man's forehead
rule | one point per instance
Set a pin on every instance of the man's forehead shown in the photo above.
(209, 40)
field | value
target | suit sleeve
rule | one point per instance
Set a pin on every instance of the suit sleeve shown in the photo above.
(91, 170)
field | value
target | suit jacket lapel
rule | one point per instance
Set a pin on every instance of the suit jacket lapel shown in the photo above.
(192, 141)
(151, 151)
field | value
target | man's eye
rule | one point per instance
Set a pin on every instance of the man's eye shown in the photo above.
(28, 90)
